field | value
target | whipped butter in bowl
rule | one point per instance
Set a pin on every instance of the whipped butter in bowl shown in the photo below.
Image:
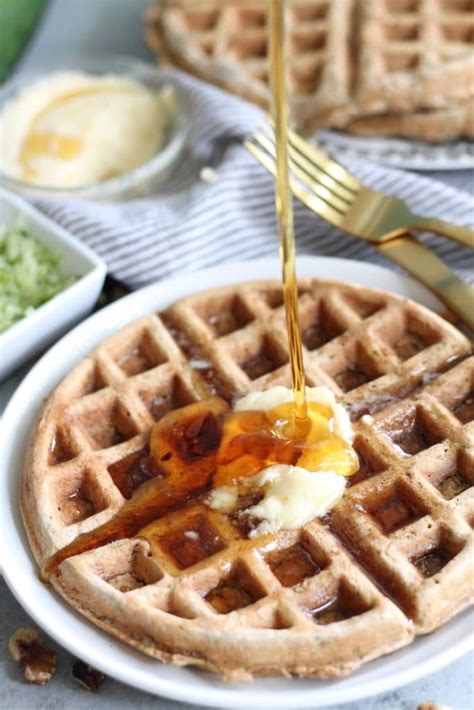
(104, 129)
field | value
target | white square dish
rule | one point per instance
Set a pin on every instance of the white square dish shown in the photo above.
(33, 333)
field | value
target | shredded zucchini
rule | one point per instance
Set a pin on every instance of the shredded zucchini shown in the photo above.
(30, 275)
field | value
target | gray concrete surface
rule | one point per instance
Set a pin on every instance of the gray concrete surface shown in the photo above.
(93, 26)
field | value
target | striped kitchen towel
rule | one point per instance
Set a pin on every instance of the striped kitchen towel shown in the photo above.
(193, 223)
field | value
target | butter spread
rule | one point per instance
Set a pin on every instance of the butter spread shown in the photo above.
(292, 495)
(71, 129)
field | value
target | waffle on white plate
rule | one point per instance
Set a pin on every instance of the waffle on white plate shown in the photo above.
(394, 557)
(444, 124)
(346, 59)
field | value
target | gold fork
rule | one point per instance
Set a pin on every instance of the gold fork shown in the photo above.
(329, 190)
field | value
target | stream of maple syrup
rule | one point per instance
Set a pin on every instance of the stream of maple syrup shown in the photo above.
(284, 208)
(207, 445)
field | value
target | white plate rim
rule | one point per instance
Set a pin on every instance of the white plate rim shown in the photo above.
(111, 656)
(401, 153)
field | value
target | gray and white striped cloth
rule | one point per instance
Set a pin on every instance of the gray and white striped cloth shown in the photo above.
(191, 224)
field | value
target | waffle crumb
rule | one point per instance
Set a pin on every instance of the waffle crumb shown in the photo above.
(39, 663)
(87, 676)
(432, 706)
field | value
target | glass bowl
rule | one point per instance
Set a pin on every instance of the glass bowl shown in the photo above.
(140, 181)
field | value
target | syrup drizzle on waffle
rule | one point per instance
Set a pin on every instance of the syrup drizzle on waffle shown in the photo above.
(204, 446)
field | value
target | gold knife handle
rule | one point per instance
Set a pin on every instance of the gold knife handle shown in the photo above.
(459, 234)
(425, 266)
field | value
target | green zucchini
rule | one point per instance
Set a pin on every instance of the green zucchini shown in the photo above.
(18, 19)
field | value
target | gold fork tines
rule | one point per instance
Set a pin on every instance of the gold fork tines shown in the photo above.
(363, 212)
(329, 190)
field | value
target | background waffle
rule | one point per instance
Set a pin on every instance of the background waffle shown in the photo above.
(345, 58)
(392, 560)
(228, 44)
(414, 54)
(444, 124)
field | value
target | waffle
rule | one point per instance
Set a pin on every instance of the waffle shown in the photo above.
(415, 54)
(455, 121)
(345, 59)
(227, 44)
(393, 559)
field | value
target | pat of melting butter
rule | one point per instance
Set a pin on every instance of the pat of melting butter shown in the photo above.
(224, 498)
(274, 397)
(292, 495)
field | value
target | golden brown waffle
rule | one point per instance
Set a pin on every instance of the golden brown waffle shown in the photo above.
(392, 560)
(345, 59)
(415, 54)
(227, 44)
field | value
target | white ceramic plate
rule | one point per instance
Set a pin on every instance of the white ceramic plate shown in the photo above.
(401, 152)
(83, 639)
